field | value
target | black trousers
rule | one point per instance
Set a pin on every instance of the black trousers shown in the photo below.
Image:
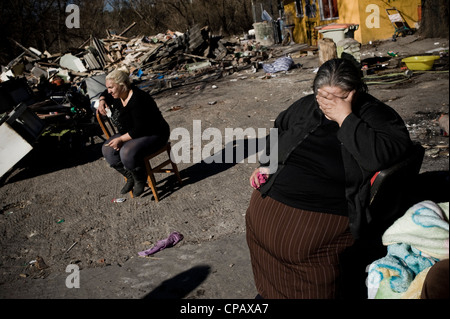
(133, 152)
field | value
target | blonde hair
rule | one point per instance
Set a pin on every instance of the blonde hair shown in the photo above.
(120, 76)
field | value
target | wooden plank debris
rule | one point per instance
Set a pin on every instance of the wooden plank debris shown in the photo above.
(169, 59)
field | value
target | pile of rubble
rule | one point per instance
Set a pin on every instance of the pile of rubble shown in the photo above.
(169, 59)
(49, 98)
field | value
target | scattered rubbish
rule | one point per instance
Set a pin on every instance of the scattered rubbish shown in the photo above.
(393, 54)
(349, 48)
(214, 87)
(281, 64)
(212, 103)
(174, 108)
(198, 66)
(73, 63)
(39, 263)
(173, 239)
(442, 51)
(70, 248)
(377, 64)
(60, 221)
(119, 200)
(32, 234)
(432, 152)
(36, 268)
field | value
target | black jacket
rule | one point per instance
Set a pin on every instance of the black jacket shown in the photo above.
(373, 138)
(141, 117)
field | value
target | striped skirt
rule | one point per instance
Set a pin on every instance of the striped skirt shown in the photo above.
(294, 253)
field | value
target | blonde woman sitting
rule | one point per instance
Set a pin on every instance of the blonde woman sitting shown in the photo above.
(141, 126)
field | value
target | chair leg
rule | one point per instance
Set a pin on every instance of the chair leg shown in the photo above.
(151, 180)
(151, 176)
(174, 166)
(177, 173)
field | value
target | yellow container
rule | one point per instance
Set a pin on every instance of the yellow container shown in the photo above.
(420, 63)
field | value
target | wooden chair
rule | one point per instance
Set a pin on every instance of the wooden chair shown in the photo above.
(109, 130)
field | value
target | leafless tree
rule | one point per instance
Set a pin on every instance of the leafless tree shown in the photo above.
(42, 23)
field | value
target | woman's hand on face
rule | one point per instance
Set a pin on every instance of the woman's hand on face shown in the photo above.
(335, 103)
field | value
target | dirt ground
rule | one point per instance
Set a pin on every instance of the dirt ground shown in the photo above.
(58, 205)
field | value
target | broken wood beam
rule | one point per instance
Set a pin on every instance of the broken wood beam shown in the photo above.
(196, 56)
(15, 61)
(29, 52)
(84, 43)
(127, 29)
(119, 37)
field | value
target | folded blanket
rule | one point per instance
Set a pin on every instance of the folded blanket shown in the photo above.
(414, 290)
(384, 271)
(415, 242)
(425, 227)
(394, 273)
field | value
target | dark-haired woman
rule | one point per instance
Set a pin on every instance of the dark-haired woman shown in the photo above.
(312, 207)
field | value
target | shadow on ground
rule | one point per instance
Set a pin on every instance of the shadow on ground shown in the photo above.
(181, 285)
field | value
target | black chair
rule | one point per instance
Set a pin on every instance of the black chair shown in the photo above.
(392, 189)
(392, 193)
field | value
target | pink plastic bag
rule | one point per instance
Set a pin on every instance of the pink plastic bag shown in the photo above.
(171, 241)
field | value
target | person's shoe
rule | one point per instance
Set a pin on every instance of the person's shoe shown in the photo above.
(128, 187)
(128, 175)
(140, 178)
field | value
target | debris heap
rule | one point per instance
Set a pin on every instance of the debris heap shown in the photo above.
(169, 59)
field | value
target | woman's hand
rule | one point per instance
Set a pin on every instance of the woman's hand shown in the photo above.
(335, 103)
(116, 143)
(102, 106)
(259, 177)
